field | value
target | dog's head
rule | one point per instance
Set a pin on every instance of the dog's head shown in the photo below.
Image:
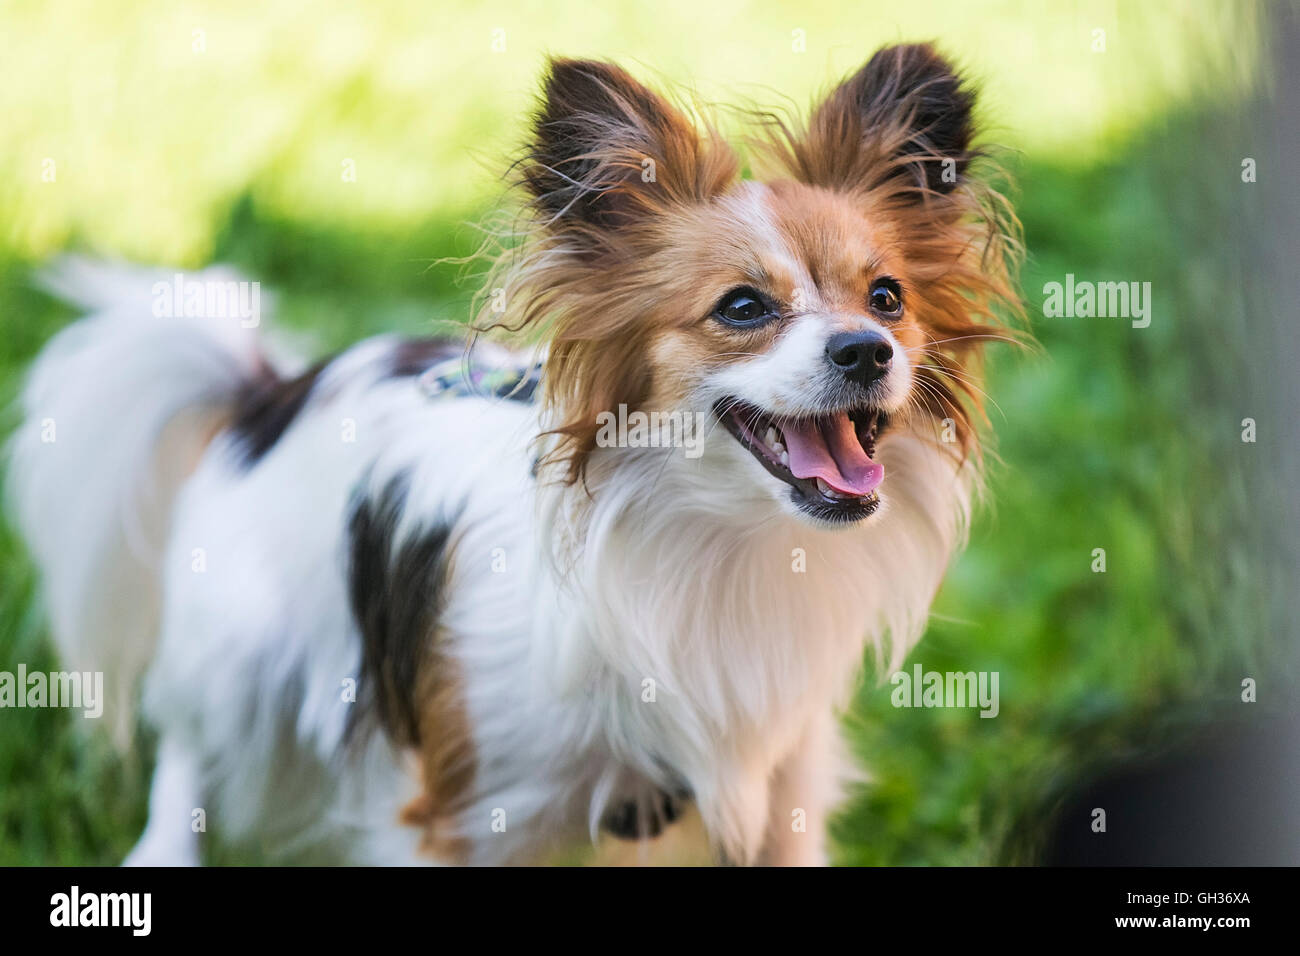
(810, 313)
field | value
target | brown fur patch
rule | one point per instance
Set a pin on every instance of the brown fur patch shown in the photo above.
(609, 162)
(446, 754)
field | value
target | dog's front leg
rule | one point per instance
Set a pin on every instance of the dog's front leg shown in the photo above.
(803, 788)
(170, 838)
(732, 797)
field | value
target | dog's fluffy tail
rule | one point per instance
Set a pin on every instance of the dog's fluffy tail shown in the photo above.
(117, 409)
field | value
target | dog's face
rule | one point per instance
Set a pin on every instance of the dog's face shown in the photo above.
(802, 342)
(809, 314)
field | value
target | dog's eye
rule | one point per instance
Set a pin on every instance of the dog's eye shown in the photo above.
(887, 297)
(743, 308)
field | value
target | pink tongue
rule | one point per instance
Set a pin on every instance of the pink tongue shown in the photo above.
(828, 448)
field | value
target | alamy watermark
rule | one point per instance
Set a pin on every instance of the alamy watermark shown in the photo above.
(1102, 300)
(208, 299)
(133, 911)
(76, 689)
(922, 688)
(637, 429)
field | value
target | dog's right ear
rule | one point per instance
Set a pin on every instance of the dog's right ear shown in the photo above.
(606, 152)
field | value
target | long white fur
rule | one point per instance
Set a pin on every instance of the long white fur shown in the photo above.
(94, 468)
(654, 635)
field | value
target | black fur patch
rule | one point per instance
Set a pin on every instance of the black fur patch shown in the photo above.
(524, 392)
(266, 409)
(269, 404)
(415, 356)
(397, 595)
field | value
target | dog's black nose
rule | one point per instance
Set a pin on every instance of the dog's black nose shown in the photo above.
(863, 357)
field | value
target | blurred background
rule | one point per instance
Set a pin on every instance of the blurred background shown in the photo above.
(339, 152)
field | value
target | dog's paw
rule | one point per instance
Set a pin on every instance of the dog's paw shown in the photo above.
(644, 820)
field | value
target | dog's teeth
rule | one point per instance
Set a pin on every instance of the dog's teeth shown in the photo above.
(771, 437)
(830, 492)
(785, 458)
(778, 448)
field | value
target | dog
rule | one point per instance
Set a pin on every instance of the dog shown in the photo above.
(424, 603)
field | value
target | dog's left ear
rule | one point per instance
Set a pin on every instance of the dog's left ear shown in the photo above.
(905, 117)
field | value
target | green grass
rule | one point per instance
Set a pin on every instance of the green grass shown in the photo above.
(1103, 435)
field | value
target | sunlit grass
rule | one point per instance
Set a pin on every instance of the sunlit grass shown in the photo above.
(157, 116)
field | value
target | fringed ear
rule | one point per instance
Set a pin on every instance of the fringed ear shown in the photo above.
(606, 151)
(905, 118)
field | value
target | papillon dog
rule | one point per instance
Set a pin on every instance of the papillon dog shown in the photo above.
(420, 602)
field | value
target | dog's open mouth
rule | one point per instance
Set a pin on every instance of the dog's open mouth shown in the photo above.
(826, 459)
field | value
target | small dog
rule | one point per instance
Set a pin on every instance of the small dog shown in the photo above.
(423, 603)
